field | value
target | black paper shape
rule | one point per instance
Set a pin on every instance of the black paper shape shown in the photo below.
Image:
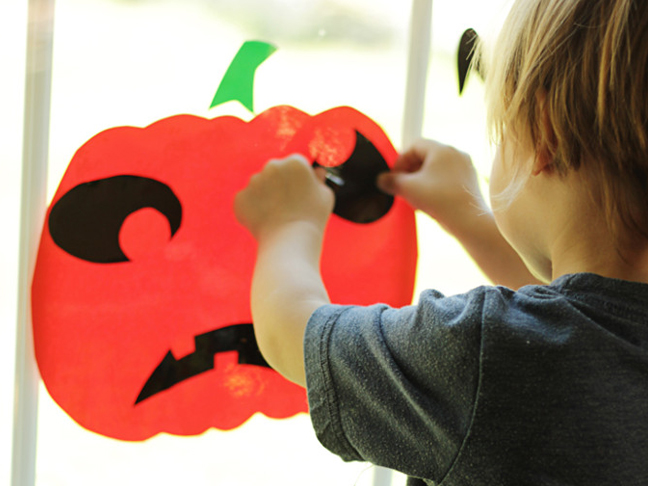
(171, 371)
(357, 197)
(465, 57)
(85, 221)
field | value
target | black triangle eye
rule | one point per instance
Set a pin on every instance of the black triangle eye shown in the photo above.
(466, 57)
(85, 222)
(357, 197)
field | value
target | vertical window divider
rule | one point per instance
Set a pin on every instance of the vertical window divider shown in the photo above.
(38, 81)
(420, 46)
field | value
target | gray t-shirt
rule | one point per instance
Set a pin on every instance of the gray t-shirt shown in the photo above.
(544, 386)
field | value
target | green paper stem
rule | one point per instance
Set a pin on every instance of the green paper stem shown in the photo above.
(238, 82)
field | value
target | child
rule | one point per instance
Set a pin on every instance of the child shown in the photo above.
(544, 385)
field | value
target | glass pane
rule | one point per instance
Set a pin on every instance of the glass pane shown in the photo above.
(132, 62)
(459, 121)
(126, 62)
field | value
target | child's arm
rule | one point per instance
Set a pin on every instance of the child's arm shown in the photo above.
(286, 208)
(442, 182)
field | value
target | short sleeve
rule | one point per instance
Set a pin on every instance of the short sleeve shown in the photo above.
(395, 387)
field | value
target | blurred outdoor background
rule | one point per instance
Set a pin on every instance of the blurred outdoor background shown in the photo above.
(132, 62)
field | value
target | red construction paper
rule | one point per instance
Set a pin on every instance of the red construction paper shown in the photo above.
(181, 266)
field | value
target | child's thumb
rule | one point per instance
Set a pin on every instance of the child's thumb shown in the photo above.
(387, 182)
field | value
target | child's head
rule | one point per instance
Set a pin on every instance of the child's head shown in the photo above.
(570, 78)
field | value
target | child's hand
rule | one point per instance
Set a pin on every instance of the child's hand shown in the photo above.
(442, 181)
(285, 191)
(439, 180)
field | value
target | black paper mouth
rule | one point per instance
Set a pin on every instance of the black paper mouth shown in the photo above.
(172, 371)
(357, 197)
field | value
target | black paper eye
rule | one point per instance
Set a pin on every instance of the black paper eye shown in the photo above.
(86, 221)
(357, 197)
(465, 57)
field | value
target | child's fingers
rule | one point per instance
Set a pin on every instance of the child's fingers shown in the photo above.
(421, 152)
(405, 184)
(320, 173)
(296, 166)
(387, 183)
(408, 163)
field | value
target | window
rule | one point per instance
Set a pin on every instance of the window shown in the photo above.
(132, 62)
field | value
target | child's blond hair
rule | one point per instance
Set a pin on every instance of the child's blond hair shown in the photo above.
(570, 77)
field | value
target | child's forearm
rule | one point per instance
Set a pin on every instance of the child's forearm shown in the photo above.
(492, 253)
(286, 289)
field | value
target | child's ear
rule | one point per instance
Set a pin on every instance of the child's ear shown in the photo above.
(547, 142)
(544, 161)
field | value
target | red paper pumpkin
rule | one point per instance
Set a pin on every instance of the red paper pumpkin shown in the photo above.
(141, 288)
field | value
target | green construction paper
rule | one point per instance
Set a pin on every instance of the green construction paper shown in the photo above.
(238, 82)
